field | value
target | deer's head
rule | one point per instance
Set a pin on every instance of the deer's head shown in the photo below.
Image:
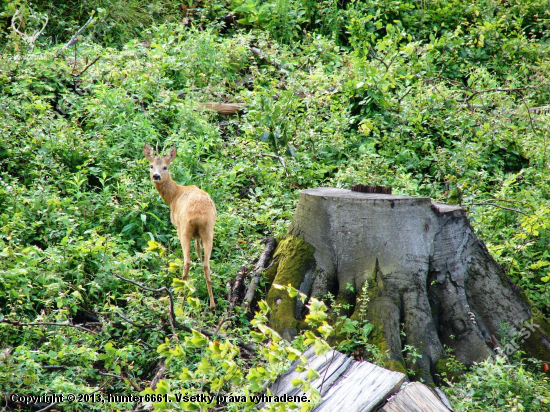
(158, 164)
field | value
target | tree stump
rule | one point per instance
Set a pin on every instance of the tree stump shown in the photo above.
(430, 281)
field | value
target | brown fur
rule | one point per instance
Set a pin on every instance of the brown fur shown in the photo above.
(192, 212)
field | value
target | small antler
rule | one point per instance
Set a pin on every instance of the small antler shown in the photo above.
(163, 149)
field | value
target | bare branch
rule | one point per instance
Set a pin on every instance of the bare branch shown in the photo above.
(500, 207)
(66, 325)
(439, 77)
(47, 408)
(129, 321)
(373, 56)
(75, 36)
(86, 68)
(404, 95)
(279, 158)
(499, 89)
(110, 375)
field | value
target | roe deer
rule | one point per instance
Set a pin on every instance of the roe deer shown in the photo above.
(192, 211)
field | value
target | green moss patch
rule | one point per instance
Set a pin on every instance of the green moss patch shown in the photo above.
(293, 258)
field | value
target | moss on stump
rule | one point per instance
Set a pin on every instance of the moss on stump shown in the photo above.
(292, 258)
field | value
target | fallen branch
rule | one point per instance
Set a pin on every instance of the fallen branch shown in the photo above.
(261, 54)
(110, 375)
(131, 322)
(67, 325)
(158, 374)
(265, 257)
(225, 108)
(75, 36)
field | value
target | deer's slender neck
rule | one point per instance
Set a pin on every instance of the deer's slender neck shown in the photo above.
(168, 189)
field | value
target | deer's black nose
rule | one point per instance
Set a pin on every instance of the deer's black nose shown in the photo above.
(156, 176)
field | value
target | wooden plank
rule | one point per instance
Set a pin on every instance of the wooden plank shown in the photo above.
(364, 387)
(415, 397)
(345, 385)
(329, 367)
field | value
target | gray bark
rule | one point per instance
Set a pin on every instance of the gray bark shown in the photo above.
(428, 273)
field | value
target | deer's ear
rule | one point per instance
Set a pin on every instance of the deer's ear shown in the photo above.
(171, 155)
(149, 154)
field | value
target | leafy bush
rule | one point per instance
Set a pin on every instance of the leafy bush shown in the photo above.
(497, 385)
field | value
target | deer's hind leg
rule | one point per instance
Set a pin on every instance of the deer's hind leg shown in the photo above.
(198, 248)
(207, 242)
(185, 240)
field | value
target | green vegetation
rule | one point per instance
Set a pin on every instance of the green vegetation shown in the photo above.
(500, 385)
(447, 99)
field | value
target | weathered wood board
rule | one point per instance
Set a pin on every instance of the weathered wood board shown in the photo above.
(415, 397)
(225, 108)
(345, 385)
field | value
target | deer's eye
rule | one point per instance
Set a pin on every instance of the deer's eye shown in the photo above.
(150, 167)
(165, 168)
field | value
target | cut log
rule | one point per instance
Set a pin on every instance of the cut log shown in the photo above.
(430, 281)
(344, 385)
(415, 397)
(225, 108)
